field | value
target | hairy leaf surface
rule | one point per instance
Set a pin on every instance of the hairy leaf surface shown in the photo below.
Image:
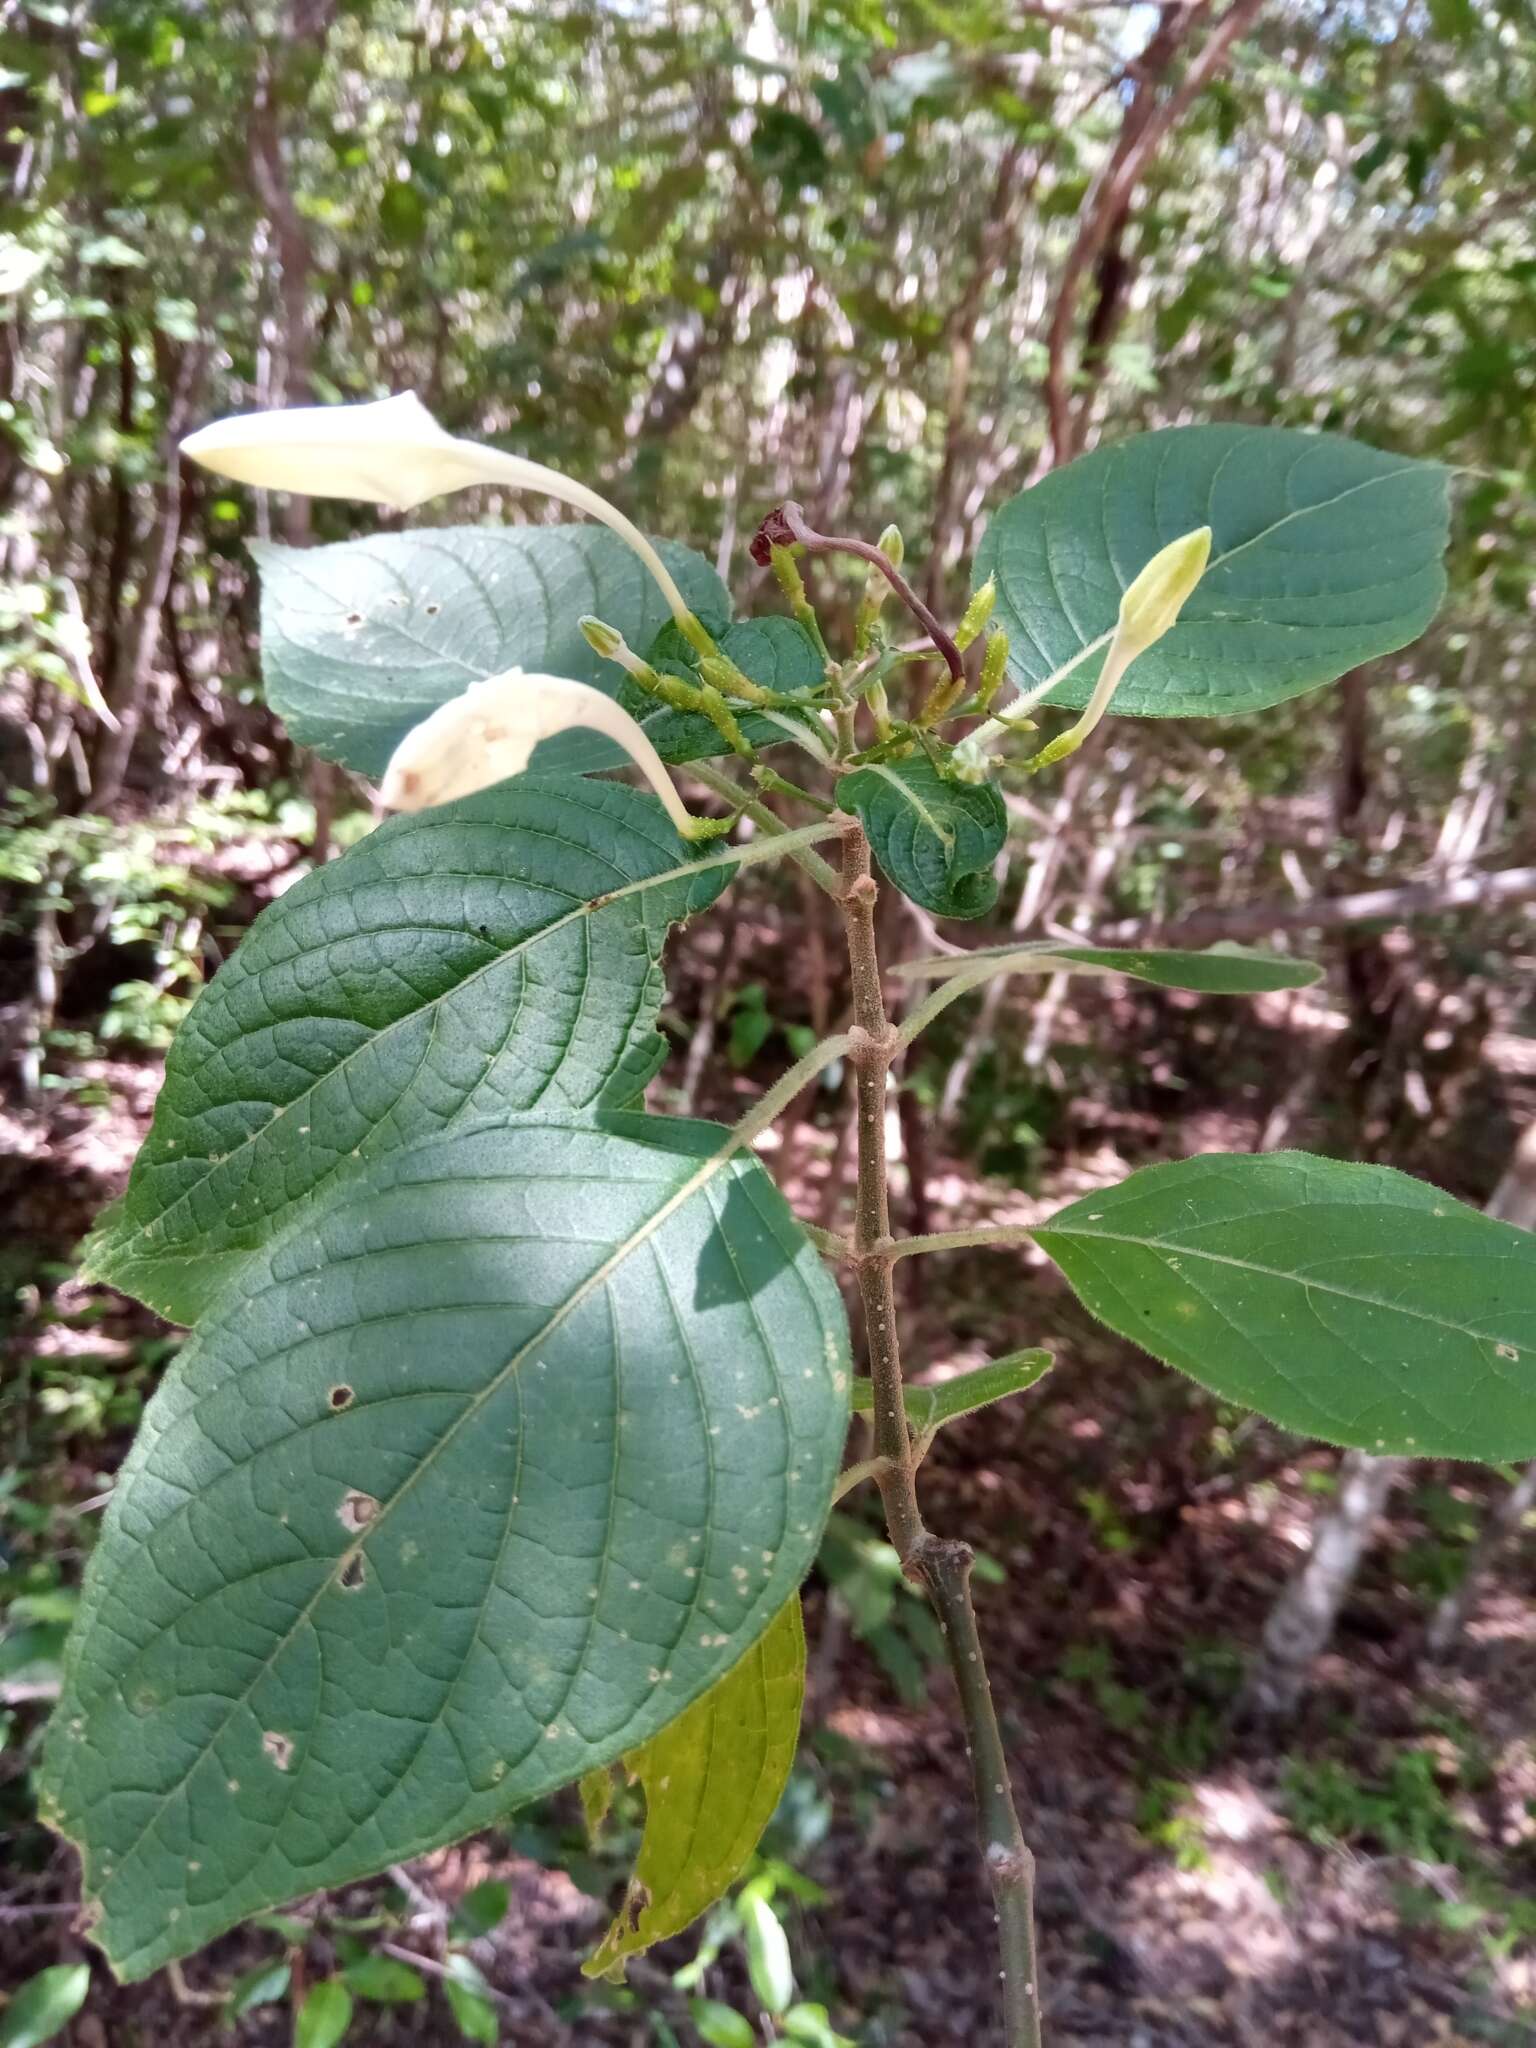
(474, 1480)
(1349, 1302)
(501, 953)
(936, 840)
(1325, 553)
(712, 1780)
(361, 640)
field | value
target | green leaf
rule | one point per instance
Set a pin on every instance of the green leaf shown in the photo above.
(596, 1790)
(929, 1408)
(1348, 1302)
(499, 954)
(1223, 970)
(474, 2015)
(721, 2025)
(1325, 554)
(385, 1980)
(264, 1985)
(362, 640)
(324, 2016)
(481, 1910)
(812, 2024)
(936, 840)
(712, 1780)
(767, 1946)
(44, 2005)
(474, 1480)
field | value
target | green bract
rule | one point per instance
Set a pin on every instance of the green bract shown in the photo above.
(474, 1479)
(1325, 553)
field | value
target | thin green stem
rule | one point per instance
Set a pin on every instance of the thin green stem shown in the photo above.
(777, 1099)
(948, 991)
(780, 838)
(772, 782)
(985, 1234)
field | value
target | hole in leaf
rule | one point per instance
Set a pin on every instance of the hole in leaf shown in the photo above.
(432, 610)
(340, 1397)
(357, 1510)
(355, 1574)
(354, 618)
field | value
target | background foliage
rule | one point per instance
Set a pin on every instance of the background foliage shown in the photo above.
(885, 260)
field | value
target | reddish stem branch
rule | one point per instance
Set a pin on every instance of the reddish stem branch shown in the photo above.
(789, 527)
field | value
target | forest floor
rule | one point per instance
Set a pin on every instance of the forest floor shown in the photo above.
(1363, 1876)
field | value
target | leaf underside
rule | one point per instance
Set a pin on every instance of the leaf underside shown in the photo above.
(452, 964)
(363, 639)
(1348, 1302)
(1325, 554)
(471, 1483)
(712, 1780)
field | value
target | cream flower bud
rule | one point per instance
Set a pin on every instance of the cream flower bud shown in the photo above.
(1150, 607)
(490, 732)
(392, 452)
(1154, 599)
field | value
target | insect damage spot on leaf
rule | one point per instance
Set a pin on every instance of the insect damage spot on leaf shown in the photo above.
(340, 1397)
(354, 1575)
(357, 1510)
(278, 1747)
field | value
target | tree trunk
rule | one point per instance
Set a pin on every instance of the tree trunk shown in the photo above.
(1302, 1620)
(1305, 1615)
(1513, 1201)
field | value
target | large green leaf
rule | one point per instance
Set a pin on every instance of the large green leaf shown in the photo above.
(501, 953)
(1349, 1302)
(1218, 970)
(1324, 554)
(712, 1780)
(474, 1480)
(936, 840)
(362, 640)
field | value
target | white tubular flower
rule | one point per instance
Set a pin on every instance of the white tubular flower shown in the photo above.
(392, 452)
(491, 731)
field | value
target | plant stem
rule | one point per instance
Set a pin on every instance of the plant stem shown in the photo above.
(789, 523)
(940, 1564)
(959, 1240)
(818, 869)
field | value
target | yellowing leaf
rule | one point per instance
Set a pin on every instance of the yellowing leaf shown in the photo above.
(712, 1779)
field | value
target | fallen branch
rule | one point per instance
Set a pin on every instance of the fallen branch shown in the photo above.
(1482, 891)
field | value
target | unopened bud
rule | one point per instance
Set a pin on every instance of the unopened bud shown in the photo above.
(1155, 598)
(976, 613)
(602, 639)
(892, 546)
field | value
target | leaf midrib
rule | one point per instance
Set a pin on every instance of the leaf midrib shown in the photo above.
(1038, 691)
(1161, 1245)
(144, 1234)
(642, 1234)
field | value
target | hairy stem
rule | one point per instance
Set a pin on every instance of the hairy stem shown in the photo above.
(789, 524)
(797, 844)
(941, 1565)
